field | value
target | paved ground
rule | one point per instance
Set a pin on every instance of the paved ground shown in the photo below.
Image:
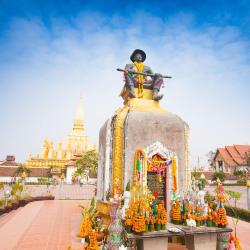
(54, 225)
(42, 225)
(242, 202)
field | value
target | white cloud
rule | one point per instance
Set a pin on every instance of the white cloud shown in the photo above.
(43, 72)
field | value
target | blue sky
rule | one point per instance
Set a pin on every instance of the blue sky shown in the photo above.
(54, 51)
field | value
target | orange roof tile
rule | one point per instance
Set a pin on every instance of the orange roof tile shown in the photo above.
(234, 155)
(227, 157)
(242, 149)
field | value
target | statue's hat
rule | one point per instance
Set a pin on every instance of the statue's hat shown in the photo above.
(138, 51)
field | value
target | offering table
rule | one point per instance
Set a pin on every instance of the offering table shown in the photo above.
(196, 238)
(202, 238)
(157, 240)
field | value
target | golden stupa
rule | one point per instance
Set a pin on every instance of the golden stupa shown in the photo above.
(56, 157)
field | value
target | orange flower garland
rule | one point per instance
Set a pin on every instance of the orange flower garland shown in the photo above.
(162, 213)
(138, 224)
(176, 212)
(86, 227)
(221, 219)
(237, 244)
(93, 244)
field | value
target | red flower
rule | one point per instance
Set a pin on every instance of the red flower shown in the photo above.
(156, 193)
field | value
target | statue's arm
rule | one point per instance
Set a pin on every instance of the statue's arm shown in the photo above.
(148, 70)
(130, 67)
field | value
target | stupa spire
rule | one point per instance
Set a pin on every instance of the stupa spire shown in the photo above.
(78, 121)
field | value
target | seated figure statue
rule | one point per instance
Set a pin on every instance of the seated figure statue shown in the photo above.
(136, 80)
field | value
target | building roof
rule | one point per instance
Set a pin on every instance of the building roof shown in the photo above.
(10, 161)
(234, 155)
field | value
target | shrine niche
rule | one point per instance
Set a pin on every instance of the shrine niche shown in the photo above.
(157, 177)
(162, 171)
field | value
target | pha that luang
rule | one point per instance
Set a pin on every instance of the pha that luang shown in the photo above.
(143, 124)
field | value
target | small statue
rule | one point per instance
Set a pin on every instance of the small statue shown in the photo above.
(136, 74)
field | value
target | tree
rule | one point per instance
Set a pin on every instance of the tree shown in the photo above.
(89, 161)
(218, 174)
(210, 155)
(23, 169)
(239, 174)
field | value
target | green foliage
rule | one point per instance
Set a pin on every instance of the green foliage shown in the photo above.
(202, 184)
(2, 203)
(128, 186)
(16, 187)
(196, 174)
(242, 182)
(209, 198)
(108, 195)
(218, 174)
(89, 161)
(23, 169)
(239, 173)
(90, 212)
(9, 202)
(16, 191)
(233, 194)
(43, 180)
(242, 214)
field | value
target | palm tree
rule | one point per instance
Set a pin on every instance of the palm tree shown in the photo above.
(23, 169)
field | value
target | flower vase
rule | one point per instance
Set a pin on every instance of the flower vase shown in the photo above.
(163, 226)
(176, 222)
(209, 223)
(151, 227)
(146, 227)
(198, 223)
(157, 226)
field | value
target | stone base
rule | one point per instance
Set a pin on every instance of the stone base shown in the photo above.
(153, 243)
(201, 241)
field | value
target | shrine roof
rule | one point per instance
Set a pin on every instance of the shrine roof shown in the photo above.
(234, 155)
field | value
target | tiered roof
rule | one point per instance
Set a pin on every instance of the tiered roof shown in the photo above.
(10, 161)
(234, 155)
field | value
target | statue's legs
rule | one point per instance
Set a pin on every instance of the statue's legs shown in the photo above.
(156, 86)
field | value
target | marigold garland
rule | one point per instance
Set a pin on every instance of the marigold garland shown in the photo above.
(175, 213)
(86, 227)
(221, 219)
(93, 244)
